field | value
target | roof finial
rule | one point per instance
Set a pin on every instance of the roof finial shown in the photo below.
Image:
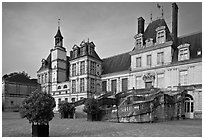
(162, 12)
(59, 23)
(88, 40)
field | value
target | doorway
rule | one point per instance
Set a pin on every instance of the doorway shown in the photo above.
(189, 106)
(148, 84)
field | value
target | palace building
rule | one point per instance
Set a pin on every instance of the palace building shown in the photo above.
(160, 59)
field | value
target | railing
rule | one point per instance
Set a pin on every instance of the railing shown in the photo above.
(79, 102)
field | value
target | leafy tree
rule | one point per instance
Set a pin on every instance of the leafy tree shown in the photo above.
(38, 108)
(91, 106)
(66, 107)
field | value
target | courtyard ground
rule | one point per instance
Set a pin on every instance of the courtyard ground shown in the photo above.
(14, 126)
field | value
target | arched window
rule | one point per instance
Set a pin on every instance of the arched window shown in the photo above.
(59, 87)
(189, 106)
(65, 86)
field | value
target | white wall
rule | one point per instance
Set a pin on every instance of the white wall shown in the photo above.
(118, 77)
(167, 58)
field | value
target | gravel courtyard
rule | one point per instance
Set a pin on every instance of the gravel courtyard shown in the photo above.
(14, 126)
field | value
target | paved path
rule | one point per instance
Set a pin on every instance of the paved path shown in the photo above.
(12, 125)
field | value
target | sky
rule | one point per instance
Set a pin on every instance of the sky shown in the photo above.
(28, 29)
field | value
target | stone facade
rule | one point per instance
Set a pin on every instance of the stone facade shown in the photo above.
(160, 59)
(15, 87)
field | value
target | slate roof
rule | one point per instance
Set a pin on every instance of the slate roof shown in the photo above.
(150, 31)
(47, 64)
(95, 55)
(81, 53)
(58, 34)
(116, 63)
(19, 78)
(195, 41)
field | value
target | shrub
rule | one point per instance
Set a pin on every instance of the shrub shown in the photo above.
(91, 106)
(66, 107)
(38, 107)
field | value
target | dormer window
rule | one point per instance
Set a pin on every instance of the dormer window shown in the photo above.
(75, 53)
(138, 40)
(149, 42)
(91, 50)
(83, 50)
(161, 35)
(184, 53)
(43, 62)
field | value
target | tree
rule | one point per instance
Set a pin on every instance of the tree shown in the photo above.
(38, 109)
(92, 109)
(66, 109)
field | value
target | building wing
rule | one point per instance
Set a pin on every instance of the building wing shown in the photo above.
(116, 63)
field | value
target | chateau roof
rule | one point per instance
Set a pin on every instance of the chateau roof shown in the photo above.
(116, 63)
(19, 78)
(47, 64)
(80, 50)
(150, 31)
(58, 34)
(195, 41)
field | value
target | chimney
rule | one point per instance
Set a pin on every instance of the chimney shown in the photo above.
(141, 22)
(174, 23)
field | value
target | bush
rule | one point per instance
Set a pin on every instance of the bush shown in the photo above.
(91, 106)
(66, 108)
(38, 108)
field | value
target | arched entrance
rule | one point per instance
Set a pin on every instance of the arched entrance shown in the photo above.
(189, 106)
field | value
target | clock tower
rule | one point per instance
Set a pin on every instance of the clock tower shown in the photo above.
(58, 59)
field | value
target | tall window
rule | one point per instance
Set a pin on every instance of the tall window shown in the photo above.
(82, 67)
(73, 86)
(138, 82)
(114, 86)
(92, 84)
(75, 53)
(104, 85)
(160, 58)
(66, 99)
(45, 78)
(73, 99)
(42, 79)
(59, 100)
(160, 78)
(149, 60)
(183, 77)
(82, 85)
(84, 50)
(139, 42)
(93, 68)
(91, 50)
(183, 54)
(73, 69)
(138, 62)
(124, 84)
(161, 37)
